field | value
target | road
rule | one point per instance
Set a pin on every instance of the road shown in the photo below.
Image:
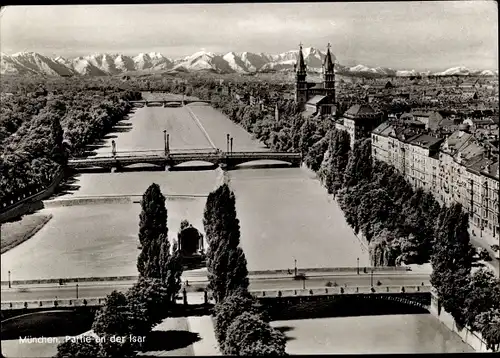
(91, 289)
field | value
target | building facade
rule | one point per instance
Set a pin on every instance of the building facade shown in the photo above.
(359, 121)
(455, 169)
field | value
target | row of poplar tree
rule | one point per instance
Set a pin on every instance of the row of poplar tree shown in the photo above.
(150, 300)
(241, 324)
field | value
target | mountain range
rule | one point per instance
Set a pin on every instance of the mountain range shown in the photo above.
(26, 63)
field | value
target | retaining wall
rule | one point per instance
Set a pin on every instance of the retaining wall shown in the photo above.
(10, 211)
(473, 339)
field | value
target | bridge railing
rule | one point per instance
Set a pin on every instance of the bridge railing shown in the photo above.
(65, 302)
(349, 290)
(327, 291)
(264, 154)
(140, 153)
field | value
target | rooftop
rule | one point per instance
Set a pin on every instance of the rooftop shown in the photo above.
(425, 141)
(383, 129)
(316, 99)
(360, 110)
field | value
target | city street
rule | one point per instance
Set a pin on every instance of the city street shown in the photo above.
(101, 289)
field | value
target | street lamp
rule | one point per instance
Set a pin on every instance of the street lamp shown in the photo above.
(231, 144)
(9, 280)
(295, 267)
(165, 141)
(358, 265)
(227, 142)
(76, 291)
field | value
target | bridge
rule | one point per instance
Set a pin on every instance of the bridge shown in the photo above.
(169, 159)
(417, 296)
(170, 102)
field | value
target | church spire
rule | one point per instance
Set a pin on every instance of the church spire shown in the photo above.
(328, 63)
(301, 65)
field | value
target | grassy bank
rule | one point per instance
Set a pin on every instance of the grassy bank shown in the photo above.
(15, 233)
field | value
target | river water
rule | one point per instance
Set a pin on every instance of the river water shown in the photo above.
(284, 215)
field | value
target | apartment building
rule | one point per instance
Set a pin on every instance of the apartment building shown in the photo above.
(482, 196)
(422, 151)
(456, 169)
(391, 143)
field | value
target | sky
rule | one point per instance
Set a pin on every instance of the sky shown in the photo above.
(430, 35)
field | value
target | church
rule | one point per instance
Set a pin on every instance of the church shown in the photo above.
(315, 98)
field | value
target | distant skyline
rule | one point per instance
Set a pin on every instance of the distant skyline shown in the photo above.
(402, 35)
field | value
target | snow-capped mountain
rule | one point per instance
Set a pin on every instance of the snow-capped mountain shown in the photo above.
(33, 63)
(26, 63)
(151, 61)
(488, 73)
(457, 71)
(203, 60)
(85, 66)
(406, 73)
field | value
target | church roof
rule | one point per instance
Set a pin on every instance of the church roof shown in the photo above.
(301, 65)
(314, 85)
(328, 63)
(316, 99)
(359, 110)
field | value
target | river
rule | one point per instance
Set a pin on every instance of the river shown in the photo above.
(284, 214)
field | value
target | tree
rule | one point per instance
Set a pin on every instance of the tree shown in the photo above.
(316, 153)
(359, 166)
(339, 147)
(149, 294)
(306, 136)
(170, 271)
(385, 249)
(490, 328)
(155, 259)
(226, 263)
(247, 332)
(483, 296)
(114, 317)
(78, 349)
(153, 217)
(234, 305)
(452, 261)
(124, 348)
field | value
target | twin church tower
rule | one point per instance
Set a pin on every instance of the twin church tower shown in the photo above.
(314, 97)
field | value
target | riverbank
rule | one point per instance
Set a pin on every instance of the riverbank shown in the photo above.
(15, 233)
(473, 339)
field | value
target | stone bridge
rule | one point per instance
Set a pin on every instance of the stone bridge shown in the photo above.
(416, 296)
(169, 103)
(226, 160)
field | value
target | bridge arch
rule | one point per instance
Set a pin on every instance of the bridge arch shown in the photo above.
(139, 164)
(197, 102)
(190, 162)
(172, 104)
(262, 162)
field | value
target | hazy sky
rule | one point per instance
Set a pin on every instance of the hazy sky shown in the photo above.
(419, 35)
